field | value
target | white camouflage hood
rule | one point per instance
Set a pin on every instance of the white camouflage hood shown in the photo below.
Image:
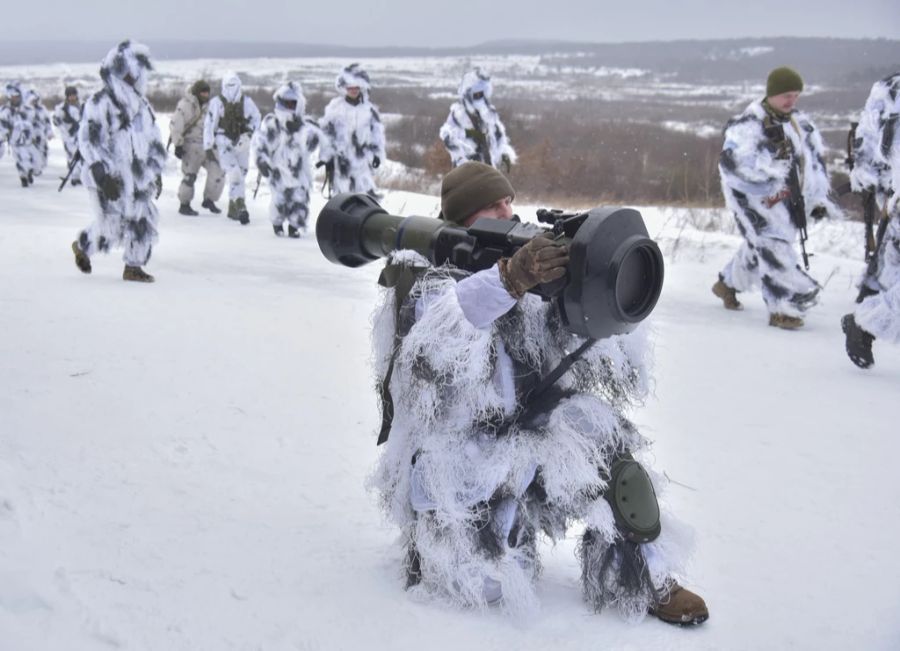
(127, 58)
(353, 75)
(231, 87)
(290, 91)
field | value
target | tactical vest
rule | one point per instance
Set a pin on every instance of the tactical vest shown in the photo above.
(233, 123)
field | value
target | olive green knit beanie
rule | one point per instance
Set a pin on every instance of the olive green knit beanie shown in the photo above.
(783, 80)
(470, 187)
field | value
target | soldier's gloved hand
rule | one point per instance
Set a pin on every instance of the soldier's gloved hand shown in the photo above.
(263, 168)
(506, 162)
(107, 185)
(376, 162)
(540, 261)
(179, 151)
(158, 187)
(819, 212)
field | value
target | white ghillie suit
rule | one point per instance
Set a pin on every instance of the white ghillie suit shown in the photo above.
(355, 134)
(469, 487)
(876, 142)
(879, 314)
(66, 118)
(473, 130)
(17, 129)
(122, 146)
(43, 131)
(284, 144)
(186, 130)
(754, 167)
(230, 121)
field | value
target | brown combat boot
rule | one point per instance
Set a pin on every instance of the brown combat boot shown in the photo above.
(785, 322)
(137, 274)
(680, 606)
(81, 260)
(727, 294)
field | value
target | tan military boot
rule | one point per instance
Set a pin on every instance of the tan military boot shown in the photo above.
(81, 260)
(137, 274)
(785, 322)
(727, 294)
(680, 606)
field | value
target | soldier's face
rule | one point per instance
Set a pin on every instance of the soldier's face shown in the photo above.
(785, 102)
(352, 92)
(500, 209)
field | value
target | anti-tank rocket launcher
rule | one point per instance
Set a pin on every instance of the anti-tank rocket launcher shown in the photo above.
(612, 283)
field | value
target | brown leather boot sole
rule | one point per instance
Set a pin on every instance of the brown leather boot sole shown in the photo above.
(727, 294)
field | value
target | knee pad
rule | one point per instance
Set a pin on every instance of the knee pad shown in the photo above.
(189, 179)
(633, 501)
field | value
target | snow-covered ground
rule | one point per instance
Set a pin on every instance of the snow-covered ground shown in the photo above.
(182, 463)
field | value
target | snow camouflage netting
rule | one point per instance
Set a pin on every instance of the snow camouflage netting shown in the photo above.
(752, 169)
(233, 150)
(42, 132)
(355, 134)
(471, 490)
(118, 135)
(473, 130)
(871, 154)
(285, 143)
(18, 130)
(880, 314)
(66, 118)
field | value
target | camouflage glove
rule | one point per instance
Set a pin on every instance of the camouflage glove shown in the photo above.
(179, 151)
(108, 186)
(540, 261)
(819, 212)
(376, 162)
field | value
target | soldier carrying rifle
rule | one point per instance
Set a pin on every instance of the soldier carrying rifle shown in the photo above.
(774, 178)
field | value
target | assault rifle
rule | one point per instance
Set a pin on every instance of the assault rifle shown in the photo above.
(258, 181)
(797, 208)
(75, 160)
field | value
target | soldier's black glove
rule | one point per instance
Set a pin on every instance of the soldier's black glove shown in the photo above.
(376, 162)
(540, 261)
(179, 151)
(158, 187)
(819, 212)
(506, 163)
(107, 185)
(263, 168)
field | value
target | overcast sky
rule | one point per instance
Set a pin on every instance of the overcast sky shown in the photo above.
(444, 23)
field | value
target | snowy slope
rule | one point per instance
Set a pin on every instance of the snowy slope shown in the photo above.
(182, 464)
